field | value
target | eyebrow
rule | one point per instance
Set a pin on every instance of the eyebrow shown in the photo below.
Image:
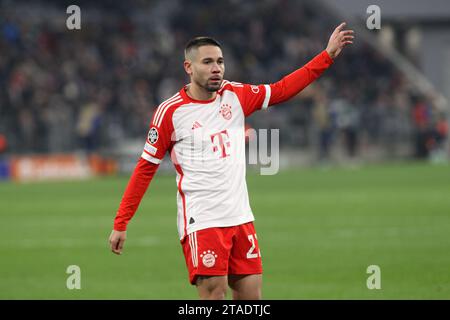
(211, 59)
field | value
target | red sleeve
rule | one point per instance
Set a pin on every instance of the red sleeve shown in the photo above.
(138, 184)
(256, 97)
(295, 82)
(160, 137)
(251, 97)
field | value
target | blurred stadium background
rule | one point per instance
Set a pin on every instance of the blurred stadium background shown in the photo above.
(364, 151)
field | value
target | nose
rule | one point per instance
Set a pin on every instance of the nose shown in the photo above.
(215, 68)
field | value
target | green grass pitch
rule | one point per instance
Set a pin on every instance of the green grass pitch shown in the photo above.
(318, 230)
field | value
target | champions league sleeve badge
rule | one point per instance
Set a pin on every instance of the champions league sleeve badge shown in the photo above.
(153, 135)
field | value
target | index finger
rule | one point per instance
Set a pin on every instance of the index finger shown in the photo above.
(341, 26)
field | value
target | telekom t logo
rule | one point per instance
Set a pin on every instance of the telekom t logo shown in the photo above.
(223, 143)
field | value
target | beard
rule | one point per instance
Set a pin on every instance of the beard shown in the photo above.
(210, 87)
(213, 88)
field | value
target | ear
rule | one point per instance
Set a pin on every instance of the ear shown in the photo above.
(188, 67)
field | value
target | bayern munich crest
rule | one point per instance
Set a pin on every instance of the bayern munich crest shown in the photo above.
(225, 111)
(208, 258)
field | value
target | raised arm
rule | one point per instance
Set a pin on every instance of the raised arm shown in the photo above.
(295, 82)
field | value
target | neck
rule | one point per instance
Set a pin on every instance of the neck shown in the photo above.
(198, 93)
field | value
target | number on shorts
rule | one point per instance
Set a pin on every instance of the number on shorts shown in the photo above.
(250, 253)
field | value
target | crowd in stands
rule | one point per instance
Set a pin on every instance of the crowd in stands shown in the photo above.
(63, 90)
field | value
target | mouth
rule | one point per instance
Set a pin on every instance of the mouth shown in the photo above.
(215, 79)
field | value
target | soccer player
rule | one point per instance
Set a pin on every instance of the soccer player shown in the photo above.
(202, 128)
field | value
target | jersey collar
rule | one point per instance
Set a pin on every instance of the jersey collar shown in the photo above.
(187, 98)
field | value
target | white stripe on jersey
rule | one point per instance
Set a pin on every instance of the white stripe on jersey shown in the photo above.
(195, 248)
(265, 104)
(162, 105)
(149, 158)
(158, 122)
(193, 245)
(175, 96)
(233, 83)
(192, 249)
(224, 82)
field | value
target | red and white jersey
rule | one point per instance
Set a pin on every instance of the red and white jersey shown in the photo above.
(206, 141)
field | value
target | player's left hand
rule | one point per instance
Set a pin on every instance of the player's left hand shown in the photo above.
(338, 40)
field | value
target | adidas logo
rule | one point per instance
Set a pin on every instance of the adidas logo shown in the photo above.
(191, 220)
(196, 125)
